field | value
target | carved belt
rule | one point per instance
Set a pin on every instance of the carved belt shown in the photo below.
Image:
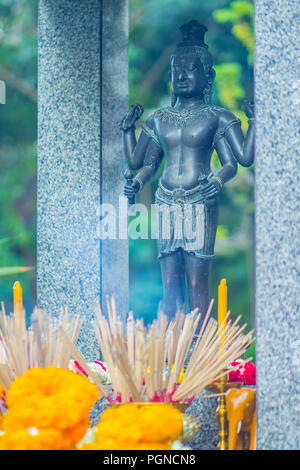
(180, 195)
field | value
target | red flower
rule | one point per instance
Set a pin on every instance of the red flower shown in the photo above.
(155, 399)
(236, 363)
(235, 376)
(249, 375)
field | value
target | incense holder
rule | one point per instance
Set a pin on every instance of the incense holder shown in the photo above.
(222, 386)
(217, 387)
(191, 427)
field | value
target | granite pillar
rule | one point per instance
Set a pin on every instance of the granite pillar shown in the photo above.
(277, 172)
(83, 92)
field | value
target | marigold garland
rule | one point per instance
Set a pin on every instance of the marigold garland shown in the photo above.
(47, 409)
(136, 426)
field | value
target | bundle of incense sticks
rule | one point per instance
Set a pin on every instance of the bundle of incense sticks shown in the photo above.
(145, 363)
(40, 345)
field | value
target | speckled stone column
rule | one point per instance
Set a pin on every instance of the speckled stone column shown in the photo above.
(83, 88)
(277, 223)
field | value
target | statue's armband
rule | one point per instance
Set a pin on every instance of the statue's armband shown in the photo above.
(221, 132)
(150, 133)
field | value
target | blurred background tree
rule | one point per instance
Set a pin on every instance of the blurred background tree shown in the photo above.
(153, 36)
(18, 134)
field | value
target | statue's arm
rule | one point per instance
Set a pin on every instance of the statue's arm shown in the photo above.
(229, 129)
(134, 150)
(153, 158)
(214, 185)
(227, 160)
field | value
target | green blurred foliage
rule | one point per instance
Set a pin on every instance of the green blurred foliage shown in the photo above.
(251, 353)
(18, 133)
(153, 37)
(240, 14)
(228, 84)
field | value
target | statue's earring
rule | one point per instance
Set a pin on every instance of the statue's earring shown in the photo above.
(207, 92)
(173, 99)
(173, 96)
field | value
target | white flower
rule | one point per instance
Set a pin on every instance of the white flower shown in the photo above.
(32, 431)
(101, 374)
(178, 445)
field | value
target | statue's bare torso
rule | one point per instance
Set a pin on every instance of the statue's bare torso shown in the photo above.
(187, 146)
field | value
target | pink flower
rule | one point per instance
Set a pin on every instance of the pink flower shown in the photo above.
(236, 363)
(235, 376)
(249, 375)
(155, 399)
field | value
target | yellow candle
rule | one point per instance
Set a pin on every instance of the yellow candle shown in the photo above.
(222, 303)
(18, 298)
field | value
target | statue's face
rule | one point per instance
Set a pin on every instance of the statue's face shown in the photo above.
(187, 75)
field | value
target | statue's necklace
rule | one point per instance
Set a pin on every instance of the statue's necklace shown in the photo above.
(184, 117)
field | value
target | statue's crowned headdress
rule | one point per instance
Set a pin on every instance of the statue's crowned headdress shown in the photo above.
(193, 43)
(192, 34)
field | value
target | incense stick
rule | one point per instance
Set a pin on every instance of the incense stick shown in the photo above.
(78, 356)
(145, 363)
(38, 346)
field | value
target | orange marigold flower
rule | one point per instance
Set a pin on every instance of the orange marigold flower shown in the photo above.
(137, 426)
(48, 400)
(31, 439)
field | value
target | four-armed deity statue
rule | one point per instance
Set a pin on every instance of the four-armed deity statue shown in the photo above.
(185, 134)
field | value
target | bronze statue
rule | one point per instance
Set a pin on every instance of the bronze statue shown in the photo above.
(185, 134)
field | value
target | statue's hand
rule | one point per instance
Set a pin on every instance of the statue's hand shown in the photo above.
(249, 109)
(131, 188)
(212, 188)
(131, 117)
